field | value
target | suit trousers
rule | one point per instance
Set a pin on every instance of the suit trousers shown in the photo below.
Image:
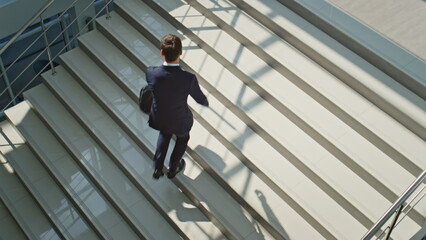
(162, 147)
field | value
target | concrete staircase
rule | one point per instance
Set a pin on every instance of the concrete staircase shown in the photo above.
(288, 149)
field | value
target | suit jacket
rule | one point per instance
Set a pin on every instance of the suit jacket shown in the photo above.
(171, 86)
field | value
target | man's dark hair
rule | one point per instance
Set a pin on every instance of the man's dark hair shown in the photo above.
(171, 46)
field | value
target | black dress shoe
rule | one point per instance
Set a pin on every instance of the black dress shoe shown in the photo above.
(157, 173)
(172, 174)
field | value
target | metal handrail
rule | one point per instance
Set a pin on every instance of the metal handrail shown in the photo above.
(32, 44)
(392, 225)
(60, 52)
(32, 32)
(46, 48)
(15, 36)
(107, 3)
(398, 203)
(27, 24)
(410, 208)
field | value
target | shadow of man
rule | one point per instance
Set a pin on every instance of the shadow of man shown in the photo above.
(255, 232)
(239, 215)
(269, 211)
(218, 168)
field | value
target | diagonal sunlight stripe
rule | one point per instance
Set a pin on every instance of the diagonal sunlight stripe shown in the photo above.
(5, 163)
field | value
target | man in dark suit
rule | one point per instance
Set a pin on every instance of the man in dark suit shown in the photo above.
(170, 114)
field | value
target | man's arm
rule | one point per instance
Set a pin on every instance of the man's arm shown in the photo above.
(147, 76)
(197, 94)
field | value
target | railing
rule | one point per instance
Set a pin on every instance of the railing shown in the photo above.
(38, 15)
(12, 40)
(397, 208)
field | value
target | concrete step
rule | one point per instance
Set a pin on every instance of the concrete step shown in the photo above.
(354, 151)
(27, 220)
(79, 188)
(9, 228)
(123, 151)
(362, 39)
(286, 150)
(231, 218)
(301, 167)
(262, 41)
(308, 172)
(292, 139)
(357, 111)
(248, 148)
(225, 167)
(150, 57)
(45, 209)
(403, 104)
(297, 105)
(243, 26)
(131, 202)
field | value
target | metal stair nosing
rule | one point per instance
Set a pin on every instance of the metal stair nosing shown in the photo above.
(318, 137)
(92, 178)
(193, 153)
(370, 135)
(85, 213)
(107, 149)
(325, 187)
(282, 193)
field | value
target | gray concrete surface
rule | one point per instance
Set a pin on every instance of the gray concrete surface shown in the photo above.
(401, 21)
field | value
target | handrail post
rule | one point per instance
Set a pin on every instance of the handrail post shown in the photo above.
(108, 15)
(6, 81)
(66, 35)
(391, 227)
(400, 201)
(46, 42)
